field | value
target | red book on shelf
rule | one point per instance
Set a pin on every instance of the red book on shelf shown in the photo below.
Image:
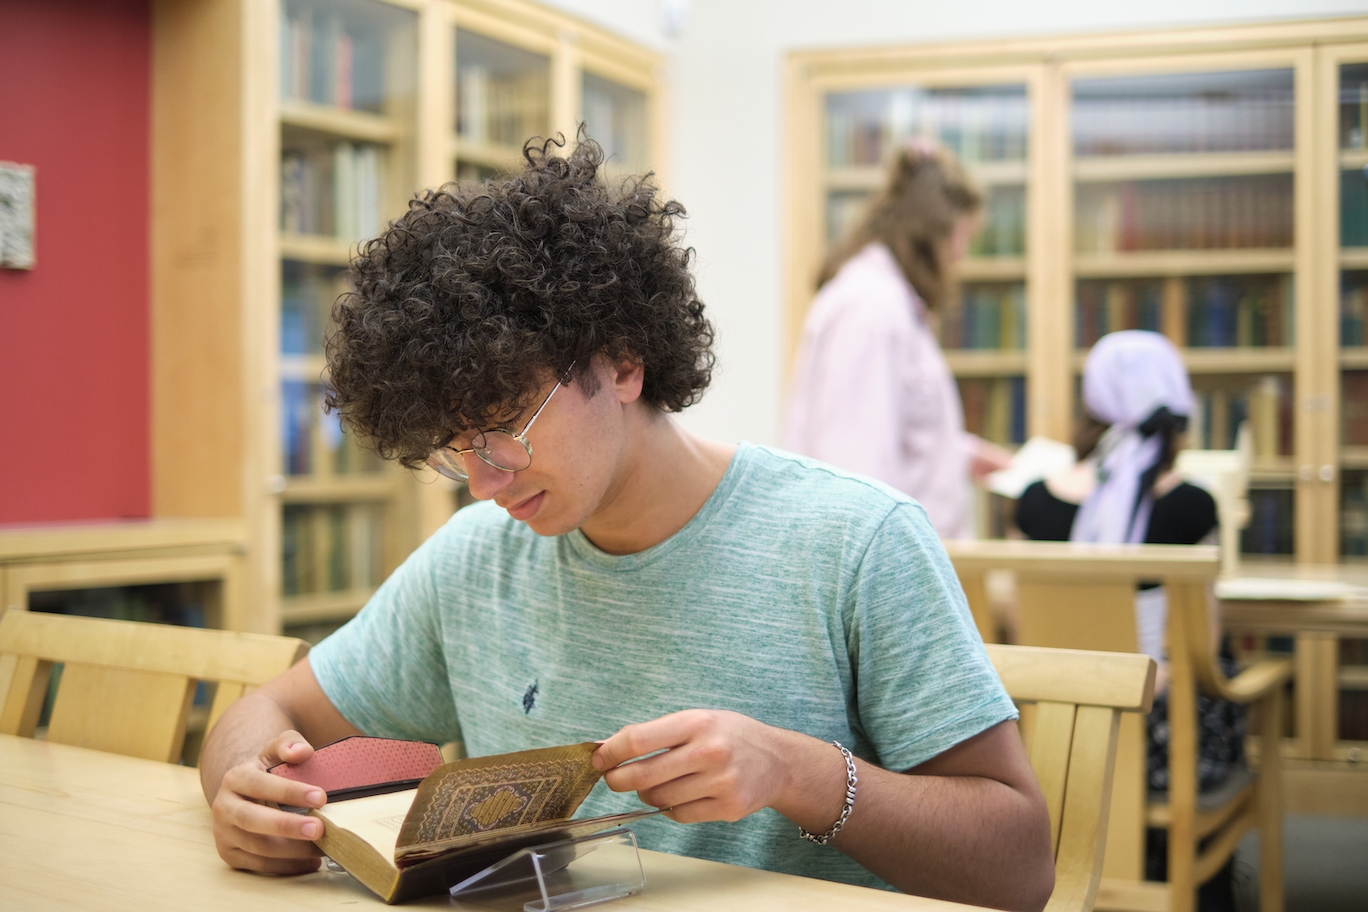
(343, 56)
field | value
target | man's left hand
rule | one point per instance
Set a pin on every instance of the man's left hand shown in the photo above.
(715, 765)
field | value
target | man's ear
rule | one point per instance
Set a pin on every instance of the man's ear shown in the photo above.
(627, 376)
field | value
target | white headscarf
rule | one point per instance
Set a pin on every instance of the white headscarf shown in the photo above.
(1128, 377)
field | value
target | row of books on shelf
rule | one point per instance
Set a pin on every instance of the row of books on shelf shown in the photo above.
(995, 408)
(1353, 714)
(153, 603)
(1353, 651)
(313, 440)
(501, 109)
(843, 214)
(1265, 402)
(335, 190)
(307, 294)
(978, 125)
(1272, 522)
(328, 61)
(331, 547)
(1238, 312)
(1354, 208)
(1185, 214)
(1003, 232)
(1353, 516)
(1354, 408)
(1200, 121)
(986, 317)
(1354, 309)
(1250, 311)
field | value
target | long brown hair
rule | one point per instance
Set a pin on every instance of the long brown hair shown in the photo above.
(914, 216)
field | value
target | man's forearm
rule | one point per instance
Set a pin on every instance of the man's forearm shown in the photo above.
(241, 732)
(965, 838)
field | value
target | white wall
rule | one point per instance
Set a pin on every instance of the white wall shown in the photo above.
(725, 103)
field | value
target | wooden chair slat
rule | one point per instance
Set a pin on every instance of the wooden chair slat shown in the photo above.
(1078, 865)
(123, 711)
(1049, 752)
(24, 696)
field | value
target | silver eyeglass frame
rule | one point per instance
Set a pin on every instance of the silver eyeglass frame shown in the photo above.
(445, 461)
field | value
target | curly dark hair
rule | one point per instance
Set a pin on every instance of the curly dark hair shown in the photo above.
(469, 303)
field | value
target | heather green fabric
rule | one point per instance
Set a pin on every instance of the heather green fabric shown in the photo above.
(799, 595)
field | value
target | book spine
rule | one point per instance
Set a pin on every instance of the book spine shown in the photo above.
(342, 93)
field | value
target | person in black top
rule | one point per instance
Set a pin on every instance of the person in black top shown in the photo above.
(1124, 488)
(1184, 514)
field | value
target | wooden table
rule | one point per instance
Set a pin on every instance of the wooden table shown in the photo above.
(81, 829)
(1316, 606)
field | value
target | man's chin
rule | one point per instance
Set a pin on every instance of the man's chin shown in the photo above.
(549, 528)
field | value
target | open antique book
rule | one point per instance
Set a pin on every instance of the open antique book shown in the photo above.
(461, 818)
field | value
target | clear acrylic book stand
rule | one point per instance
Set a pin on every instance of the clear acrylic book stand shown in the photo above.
(556, 876)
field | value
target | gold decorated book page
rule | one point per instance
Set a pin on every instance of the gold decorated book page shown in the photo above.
(461, 802)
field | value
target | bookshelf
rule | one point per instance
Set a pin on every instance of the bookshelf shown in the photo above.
(287, 132)
(1208, 184)
(348, 106)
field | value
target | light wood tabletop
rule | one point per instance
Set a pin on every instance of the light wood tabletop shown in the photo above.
(82, 829)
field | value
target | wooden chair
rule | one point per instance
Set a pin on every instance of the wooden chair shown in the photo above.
(1083, 597)
(1071, 703)
(126, 687)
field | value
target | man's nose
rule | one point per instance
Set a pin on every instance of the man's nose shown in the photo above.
(484, 481)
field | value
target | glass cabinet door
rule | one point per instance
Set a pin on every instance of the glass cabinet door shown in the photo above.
(983, 325)
(503, 99)
(614, 116)
(1183, 223)
(1352, 154)
(347, 124)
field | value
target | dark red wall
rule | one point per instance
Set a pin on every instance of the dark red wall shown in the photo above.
(74, 97)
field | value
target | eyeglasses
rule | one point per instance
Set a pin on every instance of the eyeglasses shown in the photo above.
(498, 447)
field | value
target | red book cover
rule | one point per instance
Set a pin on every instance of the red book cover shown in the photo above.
(359, 766)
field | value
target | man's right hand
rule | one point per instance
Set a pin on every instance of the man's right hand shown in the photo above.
(255, 837)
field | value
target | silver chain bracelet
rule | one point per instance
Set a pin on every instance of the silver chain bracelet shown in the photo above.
(851, 781)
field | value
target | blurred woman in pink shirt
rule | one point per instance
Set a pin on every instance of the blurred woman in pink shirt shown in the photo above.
(871, 390)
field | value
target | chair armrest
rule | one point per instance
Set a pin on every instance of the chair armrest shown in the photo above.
(1257, 681)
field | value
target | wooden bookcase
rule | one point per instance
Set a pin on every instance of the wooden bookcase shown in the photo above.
(1187, 181)
(284, 133)
(1207, 183)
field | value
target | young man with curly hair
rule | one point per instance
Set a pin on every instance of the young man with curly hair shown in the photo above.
(720, 614)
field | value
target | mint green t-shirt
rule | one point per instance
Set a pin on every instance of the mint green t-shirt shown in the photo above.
(799, 595)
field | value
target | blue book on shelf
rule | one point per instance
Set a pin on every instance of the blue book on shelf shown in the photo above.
(1018, 397)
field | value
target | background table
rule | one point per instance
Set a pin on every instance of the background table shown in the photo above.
(1316, 606)
(81, 829)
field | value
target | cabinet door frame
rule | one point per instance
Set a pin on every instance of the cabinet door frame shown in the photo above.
(1324, 466)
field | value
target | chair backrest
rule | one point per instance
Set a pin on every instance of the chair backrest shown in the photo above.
(126, 687)
(1075, 699)
(1083, 597)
